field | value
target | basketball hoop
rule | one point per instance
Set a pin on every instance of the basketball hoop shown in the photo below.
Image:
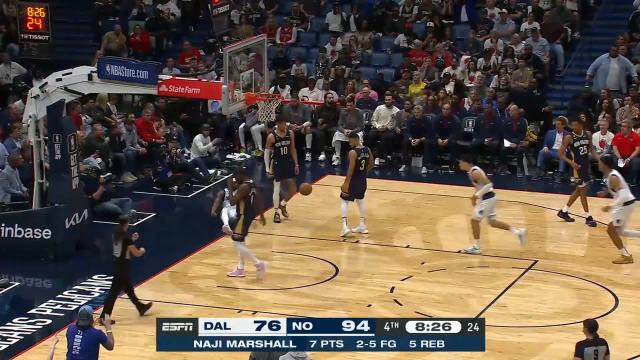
(267, 105)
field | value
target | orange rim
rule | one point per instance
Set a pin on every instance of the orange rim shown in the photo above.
(253, 98)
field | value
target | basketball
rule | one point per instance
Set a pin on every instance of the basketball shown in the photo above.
(305, 189)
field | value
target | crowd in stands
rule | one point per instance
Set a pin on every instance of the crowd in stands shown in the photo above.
(456, 76)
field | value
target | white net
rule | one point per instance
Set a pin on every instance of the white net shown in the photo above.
(267, 109)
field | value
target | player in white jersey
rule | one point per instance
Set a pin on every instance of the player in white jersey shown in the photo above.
(621, 209)
(486, 207)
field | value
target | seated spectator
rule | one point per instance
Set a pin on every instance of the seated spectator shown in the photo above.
(600, 71)
(310, 92)
(552, 141)
(384, 133)
(188, 54)
(299, 20)
(245, 29)
(487, 130)
(14, 142)
(514, 131)
(494, 43)
(327, 116)
(351, 120)
(335, 19)
(526, 26)
(100, 190)
(135, 147)
(472, 45)
(270, 29)
(365, 36)
(281, 87)
(446, 127)
(365, 101)
(536, 10)
(148, 132)
(203, 150)
(484, 26)
(378, 85)
(517, 44)
(539, 45)
(170, 11)
(534, 62)
(333, 48)
(629, 111)
(138, 13)
(158, 26)
(418, 128)
(327, 90)
(554, 33)
(416, 86)
(493, 13)
(339, 82)
(286, 33)
(11, 187)
(255, 13)
(602, 139)
(626, 147)
(504, 26)
(96, 145)
(298, 115)
(140, 43)
(521, 77)
(488, 63)
(404, 41)
(114, 43)
(118, 146)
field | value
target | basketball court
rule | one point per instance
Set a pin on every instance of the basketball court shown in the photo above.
(533, 298)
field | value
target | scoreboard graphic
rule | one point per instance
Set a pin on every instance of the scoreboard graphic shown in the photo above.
(320, 334)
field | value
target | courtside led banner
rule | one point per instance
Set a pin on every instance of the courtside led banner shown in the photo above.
(128, 70)
(317, 334)
(190, 88)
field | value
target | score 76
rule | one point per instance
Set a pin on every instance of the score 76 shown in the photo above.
(272, 325)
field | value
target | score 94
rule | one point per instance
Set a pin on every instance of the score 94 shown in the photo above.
(351, 326)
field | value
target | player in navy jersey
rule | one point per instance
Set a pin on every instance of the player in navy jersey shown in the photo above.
(578, 144)
(593, 347)
(248, 202)
(355, 183)
(281, 159)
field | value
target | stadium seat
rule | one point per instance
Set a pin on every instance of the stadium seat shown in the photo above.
(284, 7)
(296, 51)
(307, 39)
(420, 29)
(389, 73)
(312, 54)
(385, 43)
(317, 24)
(367, 72)
(379, 59)
(278, 19)
(397, 59)
(323, 39)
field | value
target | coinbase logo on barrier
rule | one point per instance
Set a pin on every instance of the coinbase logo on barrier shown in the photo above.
(127, 70)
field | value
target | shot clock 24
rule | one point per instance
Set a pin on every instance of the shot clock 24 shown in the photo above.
(320, 334)
(34, 22)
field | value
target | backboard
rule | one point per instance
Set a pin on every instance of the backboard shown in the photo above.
(245, 70)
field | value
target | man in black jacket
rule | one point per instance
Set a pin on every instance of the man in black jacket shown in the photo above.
(326, 118)
(446, 128)
(514, 131)
(487, 136)
(417, 130)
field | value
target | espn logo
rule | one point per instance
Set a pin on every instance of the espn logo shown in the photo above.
(176, 326)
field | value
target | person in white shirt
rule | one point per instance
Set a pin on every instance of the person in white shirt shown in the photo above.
(335, 19)
(602, 139)
(493, 13)
(281, 87)
(299, 67)
(333, 47)
(202, 148)
(384, 131)
(552, 142)
(9, 69)
(531, 23)
(310, 93)
(170, 68)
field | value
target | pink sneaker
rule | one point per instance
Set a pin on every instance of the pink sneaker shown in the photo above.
(261, 269)
(237, 273)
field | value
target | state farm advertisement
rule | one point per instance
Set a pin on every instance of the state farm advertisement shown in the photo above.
(190, 88)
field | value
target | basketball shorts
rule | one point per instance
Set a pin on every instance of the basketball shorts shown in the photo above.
(486, 208)
(356, 192)
(582, 176)
(240, 226)
(620, 214)
(284, 170)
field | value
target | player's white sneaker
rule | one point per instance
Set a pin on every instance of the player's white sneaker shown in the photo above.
(345, 231)
(376, 162)
(403, 168)
(322, 157)
(424, 170)
(473, 250)
(361, 229)
(261, 269)
(522, 236)
(307, 156)
(227, 229)
(335, 161)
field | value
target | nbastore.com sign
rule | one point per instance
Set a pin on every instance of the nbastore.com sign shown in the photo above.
(190, 88)
(126, 70)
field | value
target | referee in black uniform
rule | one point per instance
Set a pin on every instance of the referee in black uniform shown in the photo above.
(123, 248)
(593, 347)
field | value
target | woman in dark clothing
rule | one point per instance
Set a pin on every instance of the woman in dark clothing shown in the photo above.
(123, 248)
